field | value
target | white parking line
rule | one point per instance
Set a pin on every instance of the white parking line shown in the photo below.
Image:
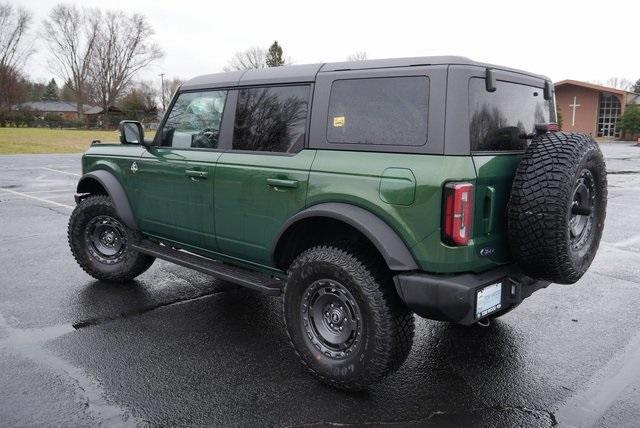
(37, 199)
(61, 172)
(585, 408)
(69, 190)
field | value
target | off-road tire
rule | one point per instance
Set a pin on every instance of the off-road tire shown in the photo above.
(387, 325)
(542, 207)
(127, 266)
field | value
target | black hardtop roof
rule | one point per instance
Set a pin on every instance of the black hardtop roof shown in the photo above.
(308, 72)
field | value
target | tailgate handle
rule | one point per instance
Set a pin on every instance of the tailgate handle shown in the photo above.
(489, 208)
(279, 182)
(193, 173)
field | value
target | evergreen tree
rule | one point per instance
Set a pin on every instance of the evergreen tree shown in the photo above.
(36, 91)
(51, 93)
(67, 93)
(636, 87)
(274, 55)
(630, 120)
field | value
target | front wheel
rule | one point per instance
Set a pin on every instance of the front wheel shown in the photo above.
(344, 319)
(102, 244)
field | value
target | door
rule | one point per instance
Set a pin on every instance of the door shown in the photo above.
(174, 200)
(262, 180)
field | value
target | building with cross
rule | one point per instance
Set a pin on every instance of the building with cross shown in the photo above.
(592, 109)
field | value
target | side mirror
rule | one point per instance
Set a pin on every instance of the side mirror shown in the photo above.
(131, 132)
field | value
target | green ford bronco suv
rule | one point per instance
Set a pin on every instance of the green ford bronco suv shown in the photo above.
(363, 192)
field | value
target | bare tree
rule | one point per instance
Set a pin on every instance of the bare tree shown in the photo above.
(71, 36)
(357, 56)
(255, 57)
(14, 24)
(171, 87)
(123, 48)
(14, 50)
(619, 83)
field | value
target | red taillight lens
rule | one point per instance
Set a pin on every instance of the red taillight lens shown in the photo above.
(458, 209)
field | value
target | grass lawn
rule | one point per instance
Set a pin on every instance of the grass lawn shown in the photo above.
(44, 140)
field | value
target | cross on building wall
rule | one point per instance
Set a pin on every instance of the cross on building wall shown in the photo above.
(573, 112)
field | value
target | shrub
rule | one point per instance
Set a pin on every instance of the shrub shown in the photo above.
(629, 123)
(53, 120)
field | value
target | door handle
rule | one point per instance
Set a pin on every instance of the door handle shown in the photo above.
(278, 182)
(196, 174)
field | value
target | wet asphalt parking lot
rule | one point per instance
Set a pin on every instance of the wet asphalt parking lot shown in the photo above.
(179, 348)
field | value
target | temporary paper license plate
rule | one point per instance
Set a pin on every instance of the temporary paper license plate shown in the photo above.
(488, 300)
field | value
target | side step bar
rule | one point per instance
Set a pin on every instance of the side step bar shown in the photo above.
(236, 275)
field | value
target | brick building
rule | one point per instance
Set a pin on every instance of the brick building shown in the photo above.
(590, 108)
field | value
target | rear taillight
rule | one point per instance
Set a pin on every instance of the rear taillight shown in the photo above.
(457, 213)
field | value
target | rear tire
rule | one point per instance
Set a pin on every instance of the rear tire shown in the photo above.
(558, 206)
(344, 319)
(101, 243)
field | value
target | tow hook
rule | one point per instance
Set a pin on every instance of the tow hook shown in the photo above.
(486, 322)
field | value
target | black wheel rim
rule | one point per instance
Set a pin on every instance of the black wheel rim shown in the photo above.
(331, 318)
(582, 210)
(106, 239)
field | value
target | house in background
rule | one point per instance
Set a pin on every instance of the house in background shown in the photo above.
(67, 110)
(592, 109)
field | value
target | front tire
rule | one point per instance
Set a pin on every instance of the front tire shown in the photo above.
(101, 243)
(344, 319)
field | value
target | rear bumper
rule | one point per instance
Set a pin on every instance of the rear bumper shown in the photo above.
(453, 297)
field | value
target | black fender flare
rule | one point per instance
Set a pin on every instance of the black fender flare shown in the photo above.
(115, 191)
(382, 236)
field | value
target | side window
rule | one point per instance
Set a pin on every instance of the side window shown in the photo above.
(502, 120)
(272, 119)
(378, 111)
(194, 120)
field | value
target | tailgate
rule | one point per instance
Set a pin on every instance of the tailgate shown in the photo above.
(494, 176)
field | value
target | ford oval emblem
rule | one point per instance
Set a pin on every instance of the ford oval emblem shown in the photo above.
(487, 251)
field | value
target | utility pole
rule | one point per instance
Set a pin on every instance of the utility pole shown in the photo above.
(164, 107)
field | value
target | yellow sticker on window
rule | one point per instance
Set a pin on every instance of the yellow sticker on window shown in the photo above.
(338, 121)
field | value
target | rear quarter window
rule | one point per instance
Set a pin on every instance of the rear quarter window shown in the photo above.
(501, 120)
(379, 111)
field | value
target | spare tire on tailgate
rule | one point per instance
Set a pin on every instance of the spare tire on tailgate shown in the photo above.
(557, 207)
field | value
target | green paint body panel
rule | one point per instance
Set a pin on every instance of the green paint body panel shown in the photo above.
(231, 205)
(115, 158)
(495, 175)
(170, 203)
(250, 205)
(398, 186)
(356, 177)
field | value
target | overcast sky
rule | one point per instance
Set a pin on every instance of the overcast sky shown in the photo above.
(583, 40)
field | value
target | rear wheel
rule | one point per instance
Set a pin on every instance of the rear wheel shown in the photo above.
(101, 242)
(344, 320)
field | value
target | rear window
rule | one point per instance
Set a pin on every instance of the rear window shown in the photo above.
(379, 111)
(500, 120)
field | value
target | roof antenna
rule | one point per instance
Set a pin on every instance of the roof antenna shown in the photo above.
(490, 80)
